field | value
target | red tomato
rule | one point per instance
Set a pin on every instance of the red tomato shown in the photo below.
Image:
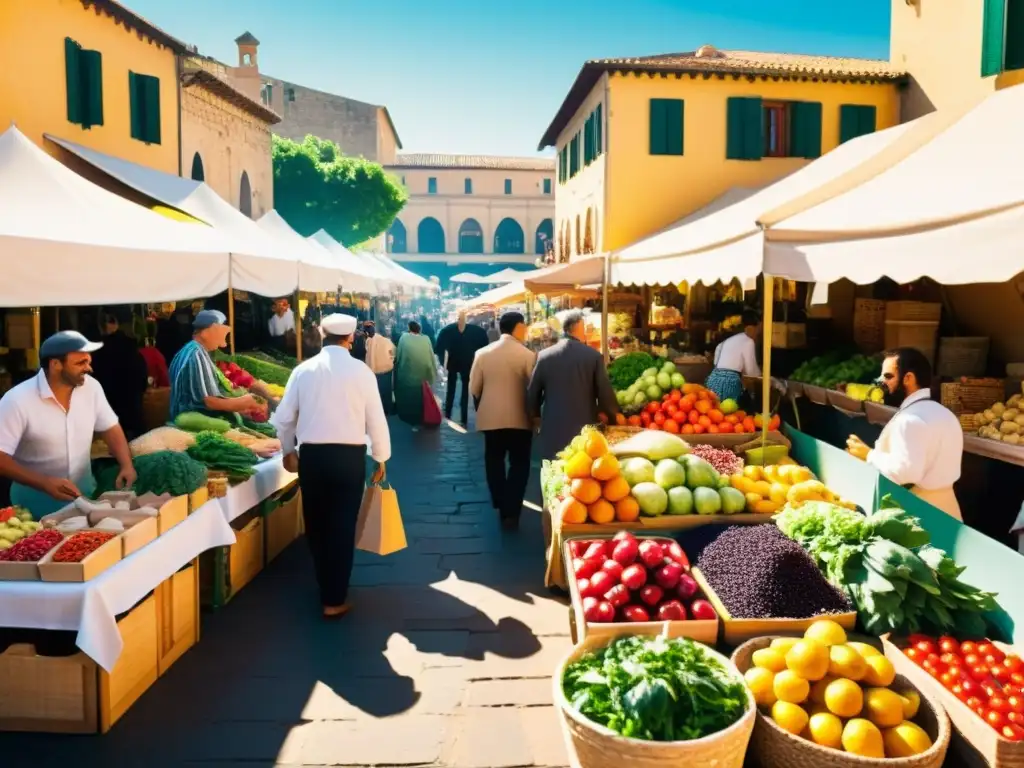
(653, 407)
(1016, 717)
(999, 704)
(914, 655)
(988, 649)
(671, 426)
(971, 687)
(958, 691)
(926, 646)
(947, 680)
(1013, 663)
(1017, 678)
(973, 660)
(645, 419)
(671, 409)
(659, 418)
(949, 644)
(1016, 703)
(1000, 673)
(1012, 732)
(968, 646)
(974, 703)
(949, 659)
(996, 719)
(676, 395)
(991, 688)
(655, 426)
(979, 672)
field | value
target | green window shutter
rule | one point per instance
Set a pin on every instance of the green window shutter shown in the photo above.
(151, 88)
(91, 63)
(1013, 52)
(805, 129)
(574, 156)
(588, 140)
(599, 129)
(744, 128)
(547, 186)
(868, 120)
(856, 120)
(137, 106)
(658, 138)
(993, 37)
(674, 113)
(73, 79)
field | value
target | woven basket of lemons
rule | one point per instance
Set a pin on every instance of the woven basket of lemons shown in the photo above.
(828, 701)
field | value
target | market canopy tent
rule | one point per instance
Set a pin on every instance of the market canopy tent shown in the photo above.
(587, 271)
(404, 278)
(507, 275)
(66, 241)
(953, 211)
(505, 294)
(467, 277)
(362, 280)
(260, 263)
(316, 270)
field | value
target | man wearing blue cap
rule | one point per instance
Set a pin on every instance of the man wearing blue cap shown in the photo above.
(47, 425)
(195, 385)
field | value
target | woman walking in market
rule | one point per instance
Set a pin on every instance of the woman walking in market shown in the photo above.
(414, 366)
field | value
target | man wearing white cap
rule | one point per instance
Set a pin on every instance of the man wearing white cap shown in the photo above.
(330, 406)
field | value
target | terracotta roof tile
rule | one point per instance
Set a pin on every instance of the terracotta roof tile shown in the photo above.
(479, 162)
(132, 20)
(195, 74)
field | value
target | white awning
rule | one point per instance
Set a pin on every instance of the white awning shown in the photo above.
(953, 210)
(586, 271)
(504, 294)
(362, 279)
(316, 270)
(466, 277)
(66, 241)
(507, 275)
(403, 278)
(259, 264)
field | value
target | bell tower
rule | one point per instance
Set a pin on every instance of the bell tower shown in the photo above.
(247, 73)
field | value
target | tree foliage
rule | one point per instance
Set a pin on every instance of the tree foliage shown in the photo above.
(316, 186)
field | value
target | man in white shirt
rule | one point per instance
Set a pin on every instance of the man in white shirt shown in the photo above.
(735, 358)
(329, 407)
(282, 322)
(922, 446)
(47, 425)
(380, 357)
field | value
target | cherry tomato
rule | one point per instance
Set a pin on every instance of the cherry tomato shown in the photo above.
(971, 687)
(1016, 717)
(914, 655)
(973, 660)
(1016, 702)
(996, 719)
(926, 646)
(948, 680)
(958, 691)
(918, 638)
(1013, 663)
(1000, 673)
(949, 644)
(991, 689)
(980, 672)
(999, 704)
(1012, 732)
(968, 646)
(1017, 678)
(973, 702)
(949, 659)
(988, 649)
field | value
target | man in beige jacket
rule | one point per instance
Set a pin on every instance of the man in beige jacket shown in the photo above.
(498, 381)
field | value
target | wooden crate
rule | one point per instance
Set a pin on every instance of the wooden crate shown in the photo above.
(972, 396)
(962, 356)
(156, 407)
(789, 335)
(869, 324)
(137, 667)
(919, 334)
(281, 524)
(225, 570)
(178, 615)
(913, 311)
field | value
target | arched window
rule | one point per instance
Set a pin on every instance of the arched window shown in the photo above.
(397, 240)
(471, 237)
(545, 231)
(579, 241)
(565, 244)
(430, 235)
(509, 238)
(245, 196)
(198, 174)
(588, 232)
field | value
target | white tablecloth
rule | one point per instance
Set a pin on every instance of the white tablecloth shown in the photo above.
(270, 478)
(91, 607)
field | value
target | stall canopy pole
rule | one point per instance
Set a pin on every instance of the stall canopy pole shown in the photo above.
(298, 326)
(231, 312)
(766, 341)
(604, 307)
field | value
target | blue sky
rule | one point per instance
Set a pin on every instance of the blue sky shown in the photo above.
(486, 77)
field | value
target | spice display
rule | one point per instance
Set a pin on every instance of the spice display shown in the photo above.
(80, 546)
(31, 548)
(15, 525)
(885, 563)
(758, 573)
(723, 460)
(218, 452)
(655, 688)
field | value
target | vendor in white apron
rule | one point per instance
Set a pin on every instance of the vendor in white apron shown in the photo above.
(47, 425)
(921, 448)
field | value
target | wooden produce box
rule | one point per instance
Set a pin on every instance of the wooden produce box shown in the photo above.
(922, 335)
(789, 335)
(139, 535)
(913, 311)
(105, 556)
(281, 524)
(737, 631)
(156, 407)
(21, 571)
(225, 570)
(197, 498)
(869, 325)
(72, 694)
(816, 394)
(842, 402)
(177, 605)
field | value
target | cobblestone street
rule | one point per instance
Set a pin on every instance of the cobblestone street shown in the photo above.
(445, 660)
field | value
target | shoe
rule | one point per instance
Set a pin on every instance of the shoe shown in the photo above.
(333, 612)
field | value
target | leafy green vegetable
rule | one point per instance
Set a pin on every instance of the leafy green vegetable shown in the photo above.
(191, 421)
(656, 689)
(217, 452)
(552, 481)
(625, 370)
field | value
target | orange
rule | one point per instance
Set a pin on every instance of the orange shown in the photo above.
(703, 406)
(595, 445)
(672, 426)
(578, 466)
(627, 510)
(571, 511)
(615, 489)
(748, 424)
(713, 429)
(691, 389)
(739, 429)
(604, 468)
(620, 419)
(704, 421)
(633, 421)
(716, 416)
(732, 419)
(601, 512)
(699, 429)
(585, 490)
(687, 429)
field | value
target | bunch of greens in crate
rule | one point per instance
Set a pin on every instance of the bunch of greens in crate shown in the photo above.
(160, 472)
(886, 564)
(224, 455)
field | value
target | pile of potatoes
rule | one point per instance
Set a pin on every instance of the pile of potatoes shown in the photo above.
(1003, 421)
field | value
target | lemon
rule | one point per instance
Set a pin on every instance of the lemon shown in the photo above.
(826, 632)
(880, 672)
(883, 707)
(791, 717)
(783, 644)
(846, 662)
(818, 689)
(809, 659)
(905, 740)
(844, 698)
(863, 738)
(790, 687)
(864, 649)
(826, 729)
(760, 682)
(770, 659)
(911, 703)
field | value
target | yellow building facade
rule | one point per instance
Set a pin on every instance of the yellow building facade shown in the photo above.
(644, 142)
(91, 72)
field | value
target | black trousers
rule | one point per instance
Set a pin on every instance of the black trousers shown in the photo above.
(332, 478)
(508, 487)
(449, 393)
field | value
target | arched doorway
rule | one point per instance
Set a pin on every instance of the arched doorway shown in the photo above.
(198, 173)
(397, 238)
(545, 231)
(245, 195)
(471, 237)
(430, 235)
(509, 238)
(565, 244)
(579, 240)
(588, 232)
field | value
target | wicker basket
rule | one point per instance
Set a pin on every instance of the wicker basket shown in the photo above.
(156, 407)
(962, 356)
(972, 395)
(869, 324)
(593, 746)
(913, 311)
(776, 748)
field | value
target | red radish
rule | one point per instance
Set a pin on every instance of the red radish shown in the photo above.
(671, 610)
(652, 594)
(623, 536)
(618, 596)
(584, 588)
(634, 577)
(625, 552)
(651, 553)
(590, 608)
(604, 613)
(702, 610)
(674, 551)
(596, 551)
(613, 569)
(635, 613)
(584, 569)
(687, 587)
(601, 582)
(668, 575)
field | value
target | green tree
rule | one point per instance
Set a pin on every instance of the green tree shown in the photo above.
(316, 186)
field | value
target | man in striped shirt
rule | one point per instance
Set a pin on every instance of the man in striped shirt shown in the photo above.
(195, 385)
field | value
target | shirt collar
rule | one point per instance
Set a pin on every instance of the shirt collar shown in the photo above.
(336, 350)
(45, 391)
(921, 394)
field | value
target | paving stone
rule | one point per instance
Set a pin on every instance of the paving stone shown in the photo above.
(514, 654)
(543, 729)
(443, 530)
(530, 692)
(488, 738)
(457, 546)
(403, 740)
(435, 693)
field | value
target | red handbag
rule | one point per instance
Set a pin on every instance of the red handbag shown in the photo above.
(431, 410)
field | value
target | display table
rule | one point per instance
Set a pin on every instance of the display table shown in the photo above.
(91, 608)
(270, 477)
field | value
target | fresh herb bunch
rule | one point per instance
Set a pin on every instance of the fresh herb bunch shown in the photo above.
(656, 689)
(625, 370)
(886, 564)
(160, 472)
(552, 480)
(218, 452)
